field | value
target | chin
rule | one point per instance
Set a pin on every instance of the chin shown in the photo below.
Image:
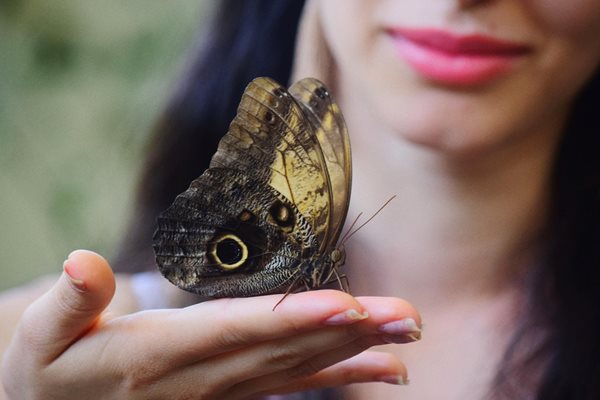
(449, 124)
(454, 142)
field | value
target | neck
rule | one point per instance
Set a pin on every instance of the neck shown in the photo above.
(460, 225)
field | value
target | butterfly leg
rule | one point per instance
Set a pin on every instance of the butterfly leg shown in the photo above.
(289, 290)
(342, 281)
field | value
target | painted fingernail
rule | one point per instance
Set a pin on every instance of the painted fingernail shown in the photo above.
(347, 317)
(77, 284)
(394, 379)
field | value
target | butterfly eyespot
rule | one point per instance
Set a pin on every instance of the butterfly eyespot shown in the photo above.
(282, 215)
(229, 252)
(246, 216)
(269, 117)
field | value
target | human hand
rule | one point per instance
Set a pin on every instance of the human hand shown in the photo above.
(65, 347)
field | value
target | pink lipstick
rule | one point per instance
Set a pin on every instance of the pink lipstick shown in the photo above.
(456, 59)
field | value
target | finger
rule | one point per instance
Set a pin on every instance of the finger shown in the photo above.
(317, 371)
(265, 365)
(368, 366)
(261, 365)
(70, 308)
(223, 325)
(388, 322)
(395, 321)
(198, 334)
(217, 327)
(205, 330)
(299, 367)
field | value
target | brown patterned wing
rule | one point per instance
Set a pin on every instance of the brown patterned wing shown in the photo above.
(272, 139)
(224, 237)
(273, 201)
(332, 135)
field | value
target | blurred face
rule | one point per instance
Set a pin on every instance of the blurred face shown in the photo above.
(462, 76)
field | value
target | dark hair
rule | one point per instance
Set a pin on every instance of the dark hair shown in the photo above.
(573, 259)
(560, 330)
(245, 39)
(560, 327)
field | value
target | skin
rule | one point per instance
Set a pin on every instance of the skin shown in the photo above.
(65, 347)
(455, 238)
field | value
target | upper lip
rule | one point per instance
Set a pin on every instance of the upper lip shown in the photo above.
(470, 44)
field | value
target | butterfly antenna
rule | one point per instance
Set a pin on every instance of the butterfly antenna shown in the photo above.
(349, 235)
(351, 226)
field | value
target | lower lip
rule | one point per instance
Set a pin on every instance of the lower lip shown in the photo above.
(453, 68)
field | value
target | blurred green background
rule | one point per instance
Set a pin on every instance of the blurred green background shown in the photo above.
(81, 82)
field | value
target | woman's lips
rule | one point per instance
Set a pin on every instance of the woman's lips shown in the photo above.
(456, 59)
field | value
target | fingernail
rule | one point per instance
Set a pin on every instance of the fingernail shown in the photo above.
(77, 284)
(402, 331)
(394, 379)
(347, 317)
(401, 339)
(406, 326)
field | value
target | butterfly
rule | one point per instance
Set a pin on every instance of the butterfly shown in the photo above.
(266, 216)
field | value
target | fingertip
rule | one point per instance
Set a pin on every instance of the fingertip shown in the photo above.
(389, 308)
(70, 307)
(92, 271)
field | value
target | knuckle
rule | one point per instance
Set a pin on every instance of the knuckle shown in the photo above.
(143, 367)
(69, 303)
(198, 388)
(140, 372)
(140, 377)
(230, 334)
(224, 331)
(293, 326)
(285, 356)
(303, 370)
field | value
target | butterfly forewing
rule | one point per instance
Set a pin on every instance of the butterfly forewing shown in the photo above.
(332, 135)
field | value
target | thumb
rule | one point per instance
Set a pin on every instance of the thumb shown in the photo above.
(71, 307)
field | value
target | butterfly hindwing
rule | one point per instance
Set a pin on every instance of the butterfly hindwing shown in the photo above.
(223, 237)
